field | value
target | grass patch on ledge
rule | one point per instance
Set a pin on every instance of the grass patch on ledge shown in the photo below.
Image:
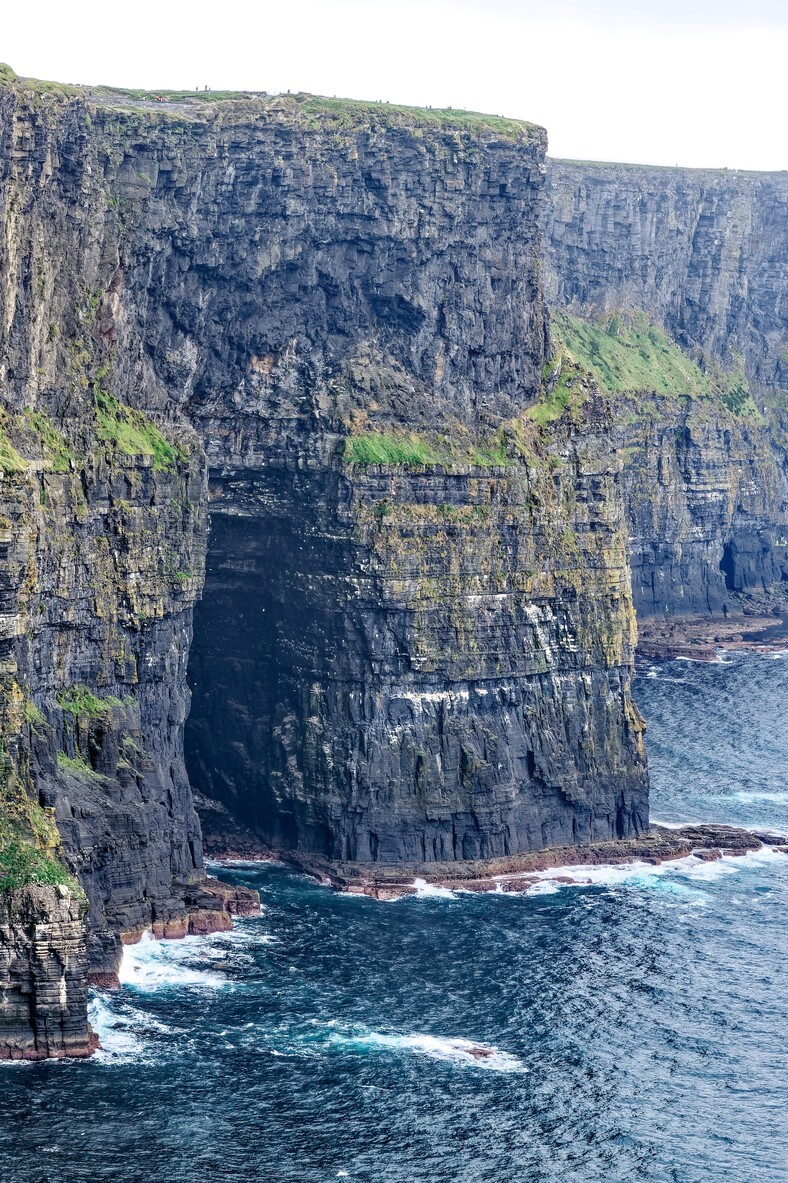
(10, 460)
(129, 431)
(22, 864)
(56, 451)
(29, 843)
(83, 703)
(627, 354)
(407, 449)
(346, 114)
(76, 766)
(394, 448)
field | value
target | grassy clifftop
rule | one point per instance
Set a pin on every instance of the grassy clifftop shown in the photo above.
(320, 112)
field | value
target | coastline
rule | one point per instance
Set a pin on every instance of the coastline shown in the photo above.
(662, 844)
(761, 627)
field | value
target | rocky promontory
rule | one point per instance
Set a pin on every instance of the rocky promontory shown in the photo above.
(305, 505)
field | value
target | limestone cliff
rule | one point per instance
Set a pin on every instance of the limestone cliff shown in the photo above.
(703, 251)
(704, 255)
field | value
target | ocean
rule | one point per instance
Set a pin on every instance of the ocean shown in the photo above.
(628, 1028)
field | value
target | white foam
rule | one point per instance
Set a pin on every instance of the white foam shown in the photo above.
(432, 890)
(120, 1044)
(158, 965)
(465, 1053)
(246, 864)
(639, 874)
(748, 796)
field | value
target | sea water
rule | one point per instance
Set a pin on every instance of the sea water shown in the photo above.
(631, 1028)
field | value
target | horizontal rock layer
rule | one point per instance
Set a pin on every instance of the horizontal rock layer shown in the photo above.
(43, 992)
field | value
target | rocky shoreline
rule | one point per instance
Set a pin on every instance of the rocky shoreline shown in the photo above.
(661, 844)
(760, 625)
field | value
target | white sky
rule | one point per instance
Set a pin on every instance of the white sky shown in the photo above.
(692, 82)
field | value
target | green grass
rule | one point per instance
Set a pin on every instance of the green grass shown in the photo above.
(83, 703)
(628, 354)
(22, 864)
(32, 714)
(397, 448)
(131, 432)
(10, 460)
(76, 765)
(56, 451)
(333, 114)
(346, 114)
(29, 841)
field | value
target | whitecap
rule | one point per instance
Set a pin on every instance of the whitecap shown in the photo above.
(642, 875)
(465, 1053)
(119, 1037)
(432, 890)
(543, 888)
(748, 796)
(156, 965)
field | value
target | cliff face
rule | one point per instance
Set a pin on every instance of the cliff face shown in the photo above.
(425, 665)
(705, 254)
(707, 507)
(290, 279)
(42, 975)
(323, 323)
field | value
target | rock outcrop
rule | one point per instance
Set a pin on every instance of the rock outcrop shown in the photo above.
(43, 986)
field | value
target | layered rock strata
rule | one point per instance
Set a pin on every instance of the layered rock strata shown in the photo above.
(705, 254)
(707, 506)
(43, 961)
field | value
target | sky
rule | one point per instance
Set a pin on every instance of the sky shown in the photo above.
(690, 82)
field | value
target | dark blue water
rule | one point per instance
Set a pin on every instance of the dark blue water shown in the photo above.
(639, 1026)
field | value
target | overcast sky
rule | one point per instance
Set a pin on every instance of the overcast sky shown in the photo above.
(692, 82)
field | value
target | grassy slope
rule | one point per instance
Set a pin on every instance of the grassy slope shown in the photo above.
(627, 354)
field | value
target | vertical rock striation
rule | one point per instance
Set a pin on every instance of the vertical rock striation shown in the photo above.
(705, 254)
(704, 251)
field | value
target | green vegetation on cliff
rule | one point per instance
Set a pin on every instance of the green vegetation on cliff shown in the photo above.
(29, 844)
(346, 114)
(81, 702)
(447, 450)
(10, 460)
(128, 431)
(332, 114)
(627, 354)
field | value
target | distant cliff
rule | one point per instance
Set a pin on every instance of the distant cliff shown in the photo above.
(703, 255)
(704, 251)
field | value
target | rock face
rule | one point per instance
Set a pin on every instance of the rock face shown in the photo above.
(423, 658)
(707, 506)
(430, 665)
(705, 253)
(43, 990)
(323, 324)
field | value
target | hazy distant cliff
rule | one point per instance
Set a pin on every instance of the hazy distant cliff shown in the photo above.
(705, 255)
(704, 251)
